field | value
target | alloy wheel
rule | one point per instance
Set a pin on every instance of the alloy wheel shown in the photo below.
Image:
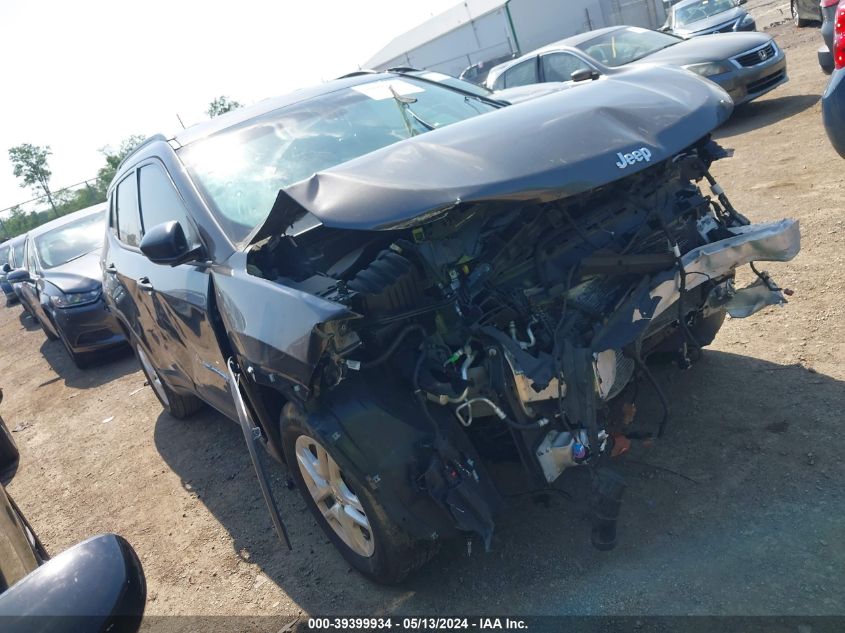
(152, 376)
(338, 504)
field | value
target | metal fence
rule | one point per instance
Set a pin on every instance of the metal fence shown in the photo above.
(28, 214)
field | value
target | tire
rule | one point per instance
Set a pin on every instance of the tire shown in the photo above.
(389, 554)
(177, 405)
(796, 17)
(9, 454)
(81, 360)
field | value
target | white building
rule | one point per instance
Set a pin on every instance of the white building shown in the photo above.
(480, 30)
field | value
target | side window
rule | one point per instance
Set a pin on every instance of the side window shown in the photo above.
(128, 218)
(522, 74)
(31, 263)
(160, 202)
(560, 66)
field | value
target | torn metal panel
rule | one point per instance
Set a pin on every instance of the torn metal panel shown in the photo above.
(773, 241)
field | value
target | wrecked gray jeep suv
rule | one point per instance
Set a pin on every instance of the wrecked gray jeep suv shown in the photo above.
(388, 282)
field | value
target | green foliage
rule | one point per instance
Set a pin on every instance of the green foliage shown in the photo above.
(222, 105)
(30, 164)
(113, 158)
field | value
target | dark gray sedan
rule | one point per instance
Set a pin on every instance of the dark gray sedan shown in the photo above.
(746, 65)
(690, 18)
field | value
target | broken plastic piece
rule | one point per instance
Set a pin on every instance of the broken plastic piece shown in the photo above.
(752, 299)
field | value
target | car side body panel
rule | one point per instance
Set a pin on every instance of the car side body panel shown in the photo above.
(271, 327)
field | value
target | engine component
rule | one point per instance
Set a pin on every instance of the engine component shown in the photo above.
(388, 284)
(613, 372)
(560, 450)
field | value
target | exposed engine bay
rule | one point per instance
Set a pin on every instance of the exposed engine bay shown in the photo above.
(530, 324)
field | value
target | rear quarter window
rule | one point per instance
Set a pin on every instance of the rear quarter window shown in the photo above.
(523, 74)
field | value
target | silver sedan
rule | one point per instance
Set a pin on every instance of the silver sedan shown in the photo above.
(746, 65)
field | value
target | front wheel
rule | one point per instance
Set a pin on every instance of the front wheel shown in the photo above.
(177, 405)
(81, 360)
(353, 519)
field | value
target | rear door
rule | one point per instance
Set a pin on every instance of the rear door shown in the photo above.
(178, 296)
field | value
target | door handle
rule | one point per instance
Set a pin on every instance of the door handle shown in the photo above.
(145, 285)
(111, 269)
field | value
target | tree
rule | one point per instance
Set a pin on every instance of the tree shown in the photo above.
(113, 159)
(29, 163)
(222, 105)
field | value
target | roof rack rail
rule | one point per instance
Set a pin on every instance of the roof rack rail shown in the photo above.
(358, 73)
(144, 143)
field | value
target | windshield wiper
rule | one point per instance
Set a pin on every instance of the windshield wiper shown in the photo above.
(404, 103)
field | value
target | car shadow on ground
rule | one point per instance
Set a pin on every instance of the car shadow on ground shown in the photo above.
(760, 114)
(744, 486)
(28, 322)
(103, 367)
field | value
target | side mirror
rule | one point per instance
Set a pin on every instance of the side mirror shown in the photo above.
(19, 276)
(743, 2)
(166, 244)
(585, 74)
(6, 268)
(98, 585)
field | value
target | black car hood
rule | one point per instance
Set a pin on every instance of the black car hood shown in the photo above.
(555, 146)
(78, 275)
(731, 15)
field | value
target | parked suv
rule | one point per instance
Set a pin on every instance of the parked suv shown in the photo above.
(389, 282)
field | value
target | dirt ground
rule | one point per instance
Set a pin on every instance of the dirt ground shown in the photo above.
(738, 511)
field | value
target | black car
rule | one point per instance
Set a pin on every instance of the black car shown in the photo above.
(97, 585)
(805, 12)
(389, 283)
(477, 73)
(14, 260)
(8, 290)
(61, 284)
(692, 18)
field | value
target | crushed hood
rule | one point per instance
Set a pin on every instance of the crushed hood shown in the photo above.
(558, 145)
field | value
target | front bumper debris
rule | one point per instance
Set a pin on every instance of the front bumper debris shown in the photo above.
(772, 241)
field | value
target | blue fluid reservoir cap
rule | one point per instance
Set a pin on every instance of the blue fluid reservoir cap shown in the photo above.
(579, 451)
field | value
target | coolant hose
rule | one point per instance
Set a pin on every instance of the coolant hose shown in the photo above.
(385, 356)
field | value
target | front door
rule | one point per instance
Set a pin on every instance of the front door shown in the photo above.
(178, 296)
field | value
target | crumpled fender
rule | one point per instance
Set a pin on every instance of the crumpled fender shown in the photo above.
(271, 326)
(378, 431)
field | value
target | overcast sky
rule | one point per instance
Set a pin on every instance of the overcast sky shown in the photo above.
(85, 74)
